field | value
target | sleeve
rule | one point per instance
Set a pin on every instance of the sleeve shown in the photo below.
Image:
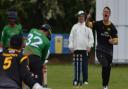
(45, 52)
(26, 75)
(71, 38)
(91, 38)
(97, 24)
(114, 32)
(3, 37)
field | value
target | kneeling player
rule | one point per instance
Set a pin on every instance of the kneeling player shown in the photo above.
(14, 67)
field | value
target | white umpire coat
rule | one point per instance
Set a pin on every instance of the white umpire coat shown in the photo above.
(81, 37)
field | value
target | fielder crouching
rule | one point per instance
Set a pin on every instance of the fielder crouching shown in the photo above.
(14, 67)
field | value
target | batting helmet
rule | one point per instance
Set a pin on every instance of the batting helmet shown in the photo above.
(47, 27)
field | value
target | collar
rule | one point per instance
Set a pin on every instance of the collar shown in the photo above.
(109, 23)
(14, 49)
(81, 23)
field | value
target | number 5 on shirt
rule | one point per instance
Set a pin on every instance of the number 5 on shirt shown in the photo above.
(7, 63)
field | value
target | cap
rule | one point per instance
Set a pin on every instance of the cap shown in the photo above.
(48, 28)
(80, 13)
(12, 15)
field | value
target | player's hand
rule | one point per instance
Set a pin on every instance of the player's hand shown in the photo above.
(110, 40)
(46, 61)
(88, 50)
(72, 50)
(37, 86)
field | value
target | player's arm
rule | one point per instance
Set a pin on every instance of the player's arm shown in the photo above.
(90, 40)
(26, 75)
(115, 41)
(114, 35)
(88, 22)
(71, 38)
(45, 52)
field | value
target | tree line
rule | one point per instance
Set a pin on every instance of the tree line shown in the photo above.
(60, 14)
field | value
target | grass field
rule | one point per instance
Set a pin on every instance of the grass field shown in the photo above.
(60, 77)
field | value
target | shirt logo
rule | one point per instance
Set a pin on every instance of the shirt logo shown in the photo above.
(108, 29)
(106, 34)
(12, 51)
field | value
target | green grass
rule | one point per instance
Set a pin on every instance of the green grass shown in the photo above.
(60, 77)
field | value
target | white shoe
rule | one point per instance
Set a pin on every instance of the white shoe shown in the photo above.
(105, 87)
(86, 83)
(38, 86)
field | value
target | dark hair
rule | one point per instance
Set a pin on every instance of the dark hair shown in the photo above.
(107, 8)
(16, 41)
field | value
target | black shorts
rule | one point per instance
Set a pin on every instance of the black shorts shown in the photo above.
(104, 58)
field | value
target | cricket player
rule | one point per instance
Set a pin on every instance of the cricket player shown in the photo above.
(37, 46)
(106, 38)
(14, 67)
(80, 43)
(12, 28)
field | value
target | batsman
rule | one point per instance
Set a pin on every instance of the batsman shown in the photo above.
(37, 46)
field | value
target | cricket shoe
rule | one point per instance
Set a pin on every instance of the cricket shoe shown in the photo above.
(75, 84)
(105, 87)
(38, 86)
(85, 83)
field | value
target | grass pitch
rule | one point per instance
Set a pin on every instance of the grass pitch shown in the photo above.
(61, 76)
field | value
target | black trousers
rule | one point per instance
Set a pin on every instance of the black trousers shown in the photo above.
(106, 61)
(36, 67)
(80, 63)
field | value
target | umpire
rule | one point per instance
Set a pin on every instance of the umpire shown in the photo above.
(80, 43)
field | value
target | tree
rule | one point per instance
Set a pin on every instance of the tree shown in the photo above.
(63, 13)
(32, 13)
